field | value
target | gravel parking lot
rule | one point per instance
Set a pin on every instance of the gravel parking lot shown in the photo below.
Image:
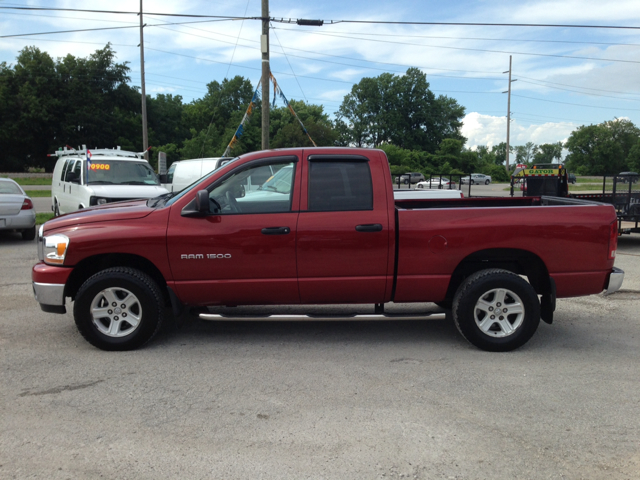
(336, 400)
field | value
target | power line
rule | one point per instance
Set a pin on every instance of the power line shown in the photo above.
(578, 91)
(333, 22)
(476, 49)
(576, 104)
(577, 86)
(122, 12)
(465, 24)
(524, 40)
(101, 28)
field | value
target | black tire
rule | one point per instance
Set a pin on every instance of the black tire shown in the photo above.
(29, 233)
(56, 210)
(111, 331)
(480, 293)
(472, 182)
(487, 182)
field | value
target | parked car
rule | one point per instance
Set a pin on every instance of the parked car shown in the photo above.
(184, 172)
(16, 209)
(413, 177)
(476, 179)
(84, 178)
(437, 182)
(628, 177)
(335, 235)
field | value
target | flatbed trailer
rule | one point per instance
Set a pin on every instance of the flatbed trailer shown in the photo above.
(622, 191)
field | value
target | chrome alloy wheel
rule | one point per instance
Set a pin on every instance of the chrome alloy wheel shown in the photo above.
(116, 312)
(499, 313)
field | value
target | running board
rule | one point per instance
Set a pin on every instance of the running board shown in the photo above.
(339, 318)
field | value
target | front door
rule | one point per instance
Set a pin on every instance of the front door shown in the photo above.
(243, 251)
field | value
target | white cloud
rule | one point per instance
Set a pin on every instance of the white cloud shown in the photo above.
(489, 130)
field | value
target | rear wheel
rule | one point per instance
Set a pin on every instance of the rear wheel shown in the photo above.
(118, 308)
(56, 210)
(496, 310)
(487, 182)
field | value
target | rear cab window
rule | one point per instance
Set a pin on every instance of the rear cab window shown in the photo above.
(339, 184)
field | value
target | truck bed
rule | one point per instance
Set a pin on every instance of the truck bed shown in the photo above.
(477, 202)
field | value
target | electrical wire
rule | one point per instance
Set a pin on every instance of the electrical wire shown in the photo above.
(292, 71)
(575, 104)
(477, 49)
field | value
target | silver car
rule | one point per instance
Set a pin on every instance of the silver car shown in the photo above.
(476, 179)
(16, 209)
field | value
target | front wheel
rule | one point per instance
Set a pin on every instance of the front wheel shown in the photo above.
(496, 310)
(487, 182)
(118, 308)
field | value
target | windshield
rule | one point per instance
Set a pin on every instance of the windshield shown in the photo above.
(120, 172)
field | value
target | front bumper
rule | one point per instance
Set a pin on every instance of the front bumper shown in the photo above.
(615, 280)
(48, 286)
(50, 296)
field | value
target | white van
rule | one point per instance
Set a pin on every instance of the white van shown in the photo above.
(110, 175)
(184, 172)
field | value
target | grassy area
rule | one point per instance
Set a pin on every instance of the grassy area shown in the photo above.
(32, 181)
(43, 217)
(38, 193)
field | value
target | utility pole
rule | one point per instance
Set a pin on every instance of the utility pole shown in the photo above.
(508, 111)
(145, 139)
(264, 44)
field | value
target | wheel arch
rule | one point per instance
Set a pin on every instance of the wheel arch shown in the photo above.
(94, 264)
(520, 262)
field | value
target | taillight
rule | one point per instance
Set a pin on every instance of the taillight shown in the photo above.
(27, 204)
(613, 240)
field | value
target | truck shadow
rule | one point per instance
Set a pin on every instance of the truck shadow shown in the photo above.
(194, 331)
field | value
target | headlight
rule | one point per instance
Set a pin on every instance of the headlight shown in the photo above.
(54, 249)
(97, 201)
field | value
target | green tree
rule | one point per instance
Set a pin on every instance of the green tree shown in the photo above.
(400, 110)
(601, 149)
(548, 152)
(286, 131)
(526, 153)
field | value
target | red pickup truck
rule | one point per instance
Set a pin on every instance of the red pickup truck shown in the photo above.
(321, 226)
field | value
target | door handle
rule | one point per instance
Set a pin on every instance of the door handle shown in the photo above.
(276, 230)
(372, 227)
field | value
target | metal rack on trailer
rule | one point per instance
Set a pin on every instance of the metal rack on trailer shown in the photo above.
(623, 192)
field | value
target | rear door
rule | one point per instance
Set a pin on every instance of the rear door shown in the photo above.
(244, 252)
(343, 231)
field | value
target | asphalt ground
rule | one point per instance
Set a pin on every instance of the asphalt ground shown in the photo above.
(332, 400)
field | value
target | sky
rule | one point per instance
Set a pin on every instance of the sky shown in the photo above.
(562, 77)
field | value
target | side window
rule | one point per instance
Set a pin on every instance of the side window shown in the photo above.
(340, 186)
(70, 175)
(77, 171)
(63, 171)
(256, 190)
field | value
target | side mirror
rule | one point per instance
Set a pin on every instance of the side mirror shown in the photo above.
(162, 178)
(202, 201)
